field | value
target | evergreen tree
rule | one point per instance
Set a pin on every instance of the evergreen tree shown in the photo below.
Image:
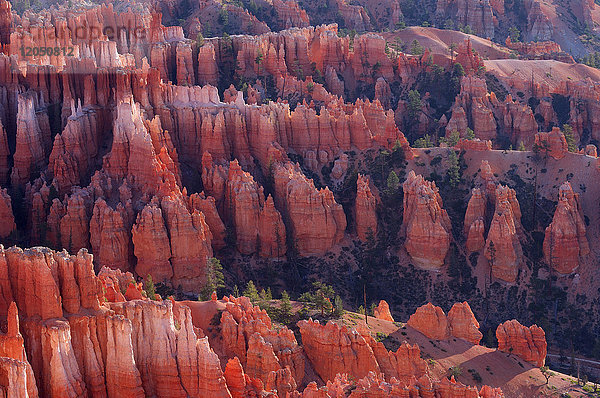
(453, 138)
(546, 373)
(214, 279)
(521, 147)
(251, 292)
(200, 39)
(470, 135)
(458, 70)
(149, 288)
(223, 17)
(416, 48)
(285, 307)
(372, 309)
(453, 169)
(452, 48)
(265, 295)
(515, 34)
(414, 103)
(567, 130)
(322, 296)
(423, 142)
(392, 182)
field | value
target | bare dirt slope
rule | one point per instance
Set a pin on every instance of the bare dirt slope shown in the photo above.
(439, 40)
(549, 72)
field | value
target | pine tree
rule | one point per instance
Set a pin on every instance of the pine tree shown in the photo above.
(453, 138)
(200, 39)
(149, 288)
(236, 291)
(322, 296)
(423, 142)
(416, 48)
(453, 169)
(285, 307)
(515, 34)
(567, 130)
(320, 301)
(414, 103)
(452, 48)
(392, 182)
(470, 135)
(214, 279)
(521, 147)
(251, 292)
(372, 309)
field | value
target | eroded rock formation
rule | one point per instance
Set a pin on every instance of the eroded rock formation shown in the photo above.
(553, 143)
(426, 223)
(316, 220)
(528, 343)
(565, 240)
(474, 217)
(433, 322)
(365, 209)
(502, 247)
(463, 324)
(382, 311)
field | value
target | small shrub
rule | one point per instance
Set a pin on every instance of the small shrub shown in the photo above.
(454, 371)
(381, 336)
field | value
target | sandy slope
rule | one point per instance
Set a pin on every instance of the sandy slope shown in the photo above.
(438, 41)
(543, 71)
